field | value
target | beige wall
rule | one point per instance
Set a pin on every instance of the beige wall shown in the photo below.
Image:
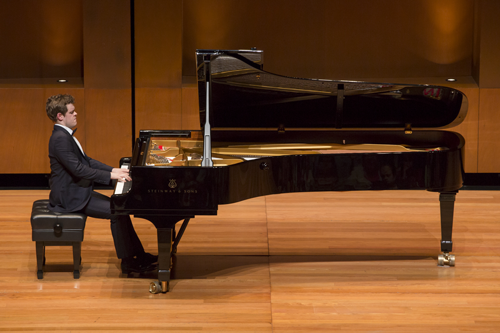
(89, 41)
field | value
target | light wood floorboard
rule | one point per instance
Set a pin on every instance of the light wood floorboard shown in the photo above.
(302, 262)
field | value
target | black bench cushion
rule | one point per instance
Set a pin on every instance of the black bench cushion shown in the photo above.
(50, 226)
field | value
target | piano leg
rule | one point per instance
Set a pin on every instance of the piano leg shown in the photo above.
(447, 204)
(165, 238)
(165, 228)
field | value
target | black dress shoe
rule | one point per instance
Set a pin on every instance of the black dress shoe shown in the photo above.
(133, 265)
(147, 258)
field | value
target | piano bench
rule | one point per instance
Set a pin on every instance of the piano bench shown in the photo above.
(56, 229)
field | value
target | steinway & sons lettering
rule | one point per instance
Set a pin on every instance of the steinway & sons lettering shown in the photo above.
(171, 191)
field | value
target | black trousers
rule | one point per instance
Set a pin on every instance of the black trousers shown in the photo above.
(127, 243)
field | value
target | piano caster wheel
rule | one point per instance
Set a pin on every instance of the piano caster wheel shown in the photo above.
(446, 259)
(76, 274)
(39, 274)
(155, 287)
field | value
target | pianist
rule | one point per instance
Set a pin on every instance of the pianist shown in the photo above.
(71, 185)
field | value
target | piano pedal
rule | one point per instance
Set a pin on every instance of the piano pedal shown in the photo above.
(446, 259)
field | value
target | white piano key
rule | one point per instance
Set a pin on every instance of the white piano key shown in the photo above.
(120, 185)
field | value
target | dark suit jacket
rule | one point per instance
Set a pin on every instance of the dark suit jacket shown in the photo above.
(72, 174)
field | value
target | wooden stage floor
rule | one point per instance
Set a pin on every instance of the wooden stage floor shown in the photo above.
(302, 262)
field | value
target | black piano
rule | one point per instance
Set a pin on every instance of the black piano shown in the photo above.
(263, 134)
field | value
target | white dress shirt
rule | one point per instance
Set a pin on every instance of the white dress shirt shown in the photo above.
(70, 131)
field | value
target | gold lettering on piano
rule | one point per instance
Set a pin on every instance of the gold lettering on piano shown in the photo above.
(163, 191)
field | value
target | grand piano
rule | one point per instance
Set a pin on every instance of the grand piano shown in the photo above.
(263, 134)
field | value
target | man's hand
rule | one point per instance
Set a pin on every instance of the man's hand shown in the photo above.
(122, 175)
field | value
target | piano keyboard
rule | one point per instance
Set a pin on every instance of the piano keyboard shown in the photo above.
(123, 187)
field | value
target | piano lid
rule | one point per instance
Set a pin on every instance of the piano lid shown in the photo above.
(244, 96)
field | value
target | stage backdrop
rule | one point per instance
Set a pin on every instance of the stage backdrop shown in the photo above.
(131, 64)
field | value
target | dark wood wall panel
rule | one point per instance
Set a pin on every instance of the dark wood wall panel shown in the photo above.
(489, 45)
(158, 42)
(40, 38)
(20, 151)
(488, 26)
(158, 108)
(476, 59)
(107, 52)
(190, 106)
(107, 79)
(338, 39)
(158, 64)
(489, 137)
(319, 38)
(25, 128)
(108, 124)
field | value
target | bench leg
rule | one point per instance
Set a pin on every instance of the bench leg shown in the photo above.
(77, 259)
(40, 259)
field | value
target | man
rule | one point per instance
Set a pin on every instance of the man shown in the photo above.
(388, 176)
(73, 174)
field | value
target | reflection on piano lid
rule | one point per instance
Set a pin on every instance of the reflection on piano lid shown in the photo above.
(243, 96)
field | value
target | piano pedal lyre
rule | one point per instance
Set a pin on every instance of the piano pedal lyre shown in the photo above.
(446, 259)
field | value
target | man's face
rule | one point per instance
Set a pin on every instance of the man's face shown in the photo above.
(68, 120)
(387, 176)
